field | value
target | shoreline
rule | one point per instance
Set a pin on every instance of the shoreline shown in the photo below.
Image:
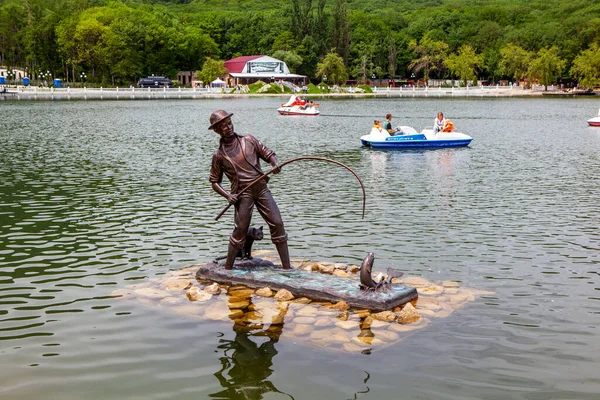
(37, 93)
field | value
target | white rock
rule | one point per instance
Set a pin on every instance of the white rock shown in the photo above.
(151, 293)
(430, 290)
(195, 294)
(325, 269)
(264, 292)
(408, 315)
(340, 305)
(284, 295)
(177, 284)
(341, 273)
(379, 323)
(353, 268)
(415, 281)
(387, 316)
(308, 311)
(323, 321)
(347, 325)
(302, 329)
(305, 320)
(213, 289)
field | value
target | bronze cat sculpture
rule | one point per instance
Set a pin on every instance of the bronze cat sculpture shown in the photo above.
(253, 234)
(245, 253)
(366, 280)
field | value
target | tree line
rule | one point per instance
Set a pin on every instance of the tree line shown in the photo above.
(112, 42)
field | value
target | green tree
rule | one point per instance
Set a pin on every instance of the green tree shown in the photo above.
(392, 56)
(491, 62)
(285, 41)
(430, 56)
(514, 61)
(370, 47)
(13, 20)
(88, 37)
(291, 59)
(341, 30)
(586, 67)
(464, 64)
(547, 66)
(38, 38)
(320, 28)
(65, 44)
(309, 51)
(332, 66)
(363, 65)
(211, 70)
(302, 18)
(193, 45)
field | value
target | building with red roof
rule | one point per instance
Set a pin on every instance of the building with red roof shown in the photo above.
(249, 69)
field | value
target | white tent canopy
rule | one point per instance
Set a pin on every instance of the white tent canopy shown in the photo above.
(218, 83)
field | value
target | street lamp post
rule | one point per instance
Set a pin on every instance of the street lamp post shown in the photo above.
(47, 77)
(82, 75)
(325, 82)
(44, 76)
(373, 78)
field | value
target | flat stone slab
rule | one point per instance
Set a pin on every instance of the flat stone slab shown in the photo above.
(301, 283)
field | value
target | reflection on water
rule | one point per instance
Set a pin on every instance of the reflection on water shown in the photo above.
(247, 362)
(367, 390)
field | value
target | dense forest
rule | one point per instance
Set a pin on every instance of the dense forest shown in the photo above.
(114, 42)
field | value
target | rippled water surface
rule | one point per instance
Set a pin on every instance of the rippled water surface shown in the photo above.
(97, 195)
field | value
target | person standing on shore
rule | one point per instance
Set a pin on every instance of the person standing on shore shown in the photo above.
(238, 157)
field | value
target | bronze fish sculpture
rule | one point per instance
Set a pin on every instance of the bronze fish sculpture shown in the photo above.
(366, 280)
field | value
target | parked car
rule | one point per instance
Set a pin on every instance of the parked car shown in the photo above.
(155, 82)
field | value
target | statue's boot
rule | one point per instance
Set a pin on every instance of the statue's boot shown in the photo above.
(284, 254)
(231, 253)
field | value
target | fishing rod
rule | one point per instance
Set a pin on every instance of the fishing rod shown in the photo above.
(304, 158)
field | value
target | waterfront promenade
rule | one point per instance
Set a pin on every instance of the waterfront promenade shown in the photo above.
(44, 93)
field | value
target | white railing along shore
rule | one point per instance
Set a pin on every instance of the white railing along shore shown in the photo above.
(35, 92)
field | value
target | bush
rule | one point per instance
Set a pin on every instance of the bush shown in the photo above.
(266, 88)
(254, 87)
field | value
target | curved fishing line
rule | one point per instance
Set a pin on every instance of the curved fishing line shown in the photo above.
(304, 158)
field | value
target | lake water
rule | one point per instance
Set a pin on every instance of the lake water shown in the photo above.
(97, 195)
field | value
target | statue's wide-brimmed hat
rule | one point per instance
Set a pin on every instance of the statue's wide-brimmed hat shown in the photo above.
(217, 117)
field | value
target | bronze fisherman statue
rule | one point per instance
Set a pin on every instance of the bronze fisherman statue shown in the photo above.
(238, 157)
